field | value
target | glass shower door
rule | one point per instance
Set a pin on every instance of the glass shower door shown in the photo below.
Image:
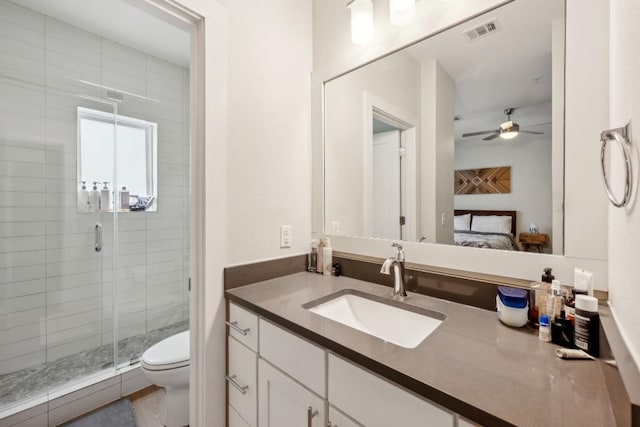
(55, 305)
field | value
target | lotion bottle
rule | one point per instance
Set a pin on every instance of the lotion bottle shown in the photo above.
(327, 257)
(320, 265)
(83, 198)
(94, 198)
(105, 198)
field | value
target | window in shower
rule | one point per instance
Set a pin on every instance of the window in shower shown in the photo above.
(136, 165)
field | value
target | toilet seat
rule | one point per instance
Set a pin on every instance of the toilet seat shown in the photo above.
(170, 353)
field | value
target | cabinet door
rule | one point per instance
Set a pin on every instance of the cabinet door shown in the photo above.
(282, 402)
(242, 379)
(338, 419)
(235, 420)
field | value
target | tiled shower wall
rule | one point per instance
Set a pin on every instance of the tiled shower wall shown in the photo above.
(56, 292)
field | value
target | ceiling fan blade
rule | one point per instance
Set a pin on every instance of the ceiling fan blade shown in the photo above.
(535, 133)
(492, 137)
(484, 132)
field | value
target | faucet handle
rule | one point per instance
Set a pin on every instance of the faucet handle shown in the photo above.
(400, 253)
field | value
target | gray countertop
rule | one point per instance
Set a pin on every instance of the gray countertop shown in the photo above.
(471, 363)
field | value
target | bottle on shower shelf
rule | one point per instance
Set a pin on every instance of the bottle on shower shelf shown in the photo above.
(94, 198)
(124, 199)
(105, 198)
(83, 198)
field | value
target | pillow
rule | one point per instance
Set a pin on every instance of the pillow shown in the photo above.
(491, 224)
(462, 222)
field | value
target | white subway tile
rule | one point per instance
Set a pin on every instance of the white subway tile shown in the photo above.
(19, 259)
(21, 169)
(14, 320)
(73, 294)
(70, 308)
(20, 274)
(22, 303)
(66, 349)
(21, 348)
(21, 333)
(22, 362)
(12, 13)
(18, 289)
(72, 35)
(59, 324)
(22, 243)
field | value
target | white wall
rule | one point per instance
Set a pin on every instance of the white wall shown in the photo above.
(56, 292)
(268, 156)
(624, 224)
(334, 54)
(530, 162)
(395, 81)
(437, 153)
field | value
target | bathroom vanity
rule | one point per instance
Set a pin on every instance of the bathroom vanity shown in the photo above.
(290, 366)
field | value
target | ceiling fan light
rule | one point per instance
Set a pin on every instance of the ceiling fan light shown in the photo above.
(402, 12)
(509, 134)
(509, 130)
(361, 21)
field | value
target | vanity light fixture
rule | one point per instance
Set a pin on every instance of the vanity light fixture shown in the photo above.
(361, 21)
(402, 12)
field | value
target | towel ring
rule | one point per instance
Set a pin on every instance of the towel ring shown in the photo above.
(621, 137)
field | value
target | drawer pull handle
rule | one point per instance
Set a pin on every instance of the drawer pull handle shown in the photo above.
(310, 414)
(238, 329)
(232, 380)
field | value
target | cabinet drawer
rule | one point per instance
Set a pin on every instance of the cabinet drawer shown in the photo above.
(245, 321)
(375, 402)
(243, 371)
(300, 359)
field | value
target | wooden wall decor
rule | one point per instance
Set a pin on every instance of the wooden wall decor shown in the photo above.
(483, 181)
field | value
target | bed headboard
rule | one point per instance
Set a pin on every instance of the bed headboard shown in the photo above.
(512, 214)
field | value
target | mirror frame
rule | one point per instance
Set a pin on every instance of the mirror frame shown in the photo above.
(582, 121)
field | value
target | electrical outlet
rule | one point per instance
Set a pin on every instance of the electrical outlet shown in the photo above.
(335, 227)
(285, 236)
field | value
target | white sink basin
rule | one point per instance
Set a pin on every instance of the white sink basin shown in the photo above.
(405, 327)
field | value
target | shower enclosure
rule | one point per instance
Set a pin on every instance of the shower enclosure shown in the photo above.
(87, 281)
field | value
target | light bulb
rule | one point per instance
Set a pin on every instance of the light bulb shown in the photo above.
(361, 21)
(402, 12)
(509, 134)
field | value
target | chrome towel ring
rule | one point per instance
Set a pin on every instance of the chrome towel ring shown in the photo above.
(621, 137)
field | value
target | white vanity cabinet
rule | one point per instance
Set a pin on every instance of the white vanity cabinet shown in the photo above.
(375, 402)
(277, 379)
(338, 419)
(285, 403)
(242, 375)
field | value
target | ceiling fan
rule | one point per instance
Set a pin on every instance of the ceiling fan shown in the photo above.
(507, 130)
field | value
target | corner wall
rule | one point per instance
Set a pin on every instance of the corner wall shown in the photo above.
(624, 223)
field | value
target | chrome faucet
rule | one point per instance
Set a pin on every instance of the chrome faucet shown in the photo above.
(398, 270)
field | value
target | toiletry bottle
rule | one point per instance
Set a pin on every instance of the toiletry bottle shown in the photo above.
(587, 329)
(327, 257)
(83, 198)
(124, 199)
(320, 264)
(583, 281)
(313, 256)
(562, 331)
(94, 198)
(105, 198)
(556, 301)
(544, 333)
(539, 296)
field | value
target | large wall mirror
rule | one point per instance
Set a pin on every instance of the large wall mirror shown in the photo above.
(457, 139)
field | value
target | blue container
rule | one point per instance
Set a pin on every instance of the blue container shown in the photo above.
(513, 297)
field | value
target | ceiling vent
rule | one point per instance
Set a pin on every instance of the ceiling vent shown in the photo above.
(483, 30)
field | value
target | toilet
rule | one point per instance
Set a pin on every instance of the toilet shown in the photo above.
(166, 364)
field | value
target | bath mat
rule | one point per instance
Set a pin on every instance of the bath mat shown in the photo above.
(118, 414)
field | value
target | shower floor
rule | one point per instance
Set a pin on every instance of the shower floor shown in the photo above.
(31, 382)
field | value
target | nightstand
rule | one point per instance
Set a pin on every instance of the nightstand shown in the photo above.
(536, 241)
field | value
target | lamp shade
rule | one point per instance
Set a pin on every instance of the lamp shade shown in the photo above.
(361, 21)
(401, 12)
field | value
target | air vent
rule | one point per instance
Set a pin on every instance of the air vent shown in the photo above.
(483, 30)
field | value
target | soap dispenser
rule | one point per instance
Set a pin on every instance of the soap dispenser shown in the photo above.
(105, 198)
(94, 198)
(83, 198)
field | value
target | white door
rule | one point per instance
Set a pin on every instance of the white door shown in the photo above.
(284, 403)
(386, 185)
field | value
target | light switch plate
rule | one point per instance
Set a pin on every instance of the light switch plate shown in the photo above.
(335, 227)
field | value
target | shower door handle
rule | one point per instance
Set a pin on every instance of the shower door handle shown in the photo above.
(98, 237)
